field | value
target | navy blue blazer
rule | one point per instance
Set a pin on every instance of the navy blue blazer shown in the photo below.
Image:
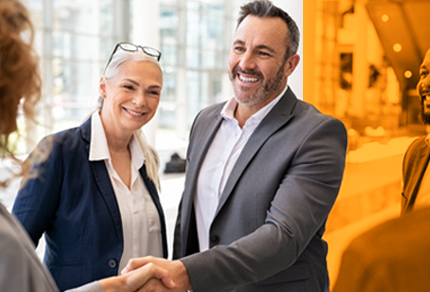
(72, 200)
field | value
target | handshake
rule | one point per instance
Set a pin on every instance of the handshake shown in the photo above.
(149, 274)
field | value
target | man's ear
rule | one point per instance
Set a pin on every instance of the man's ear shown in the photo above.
(102, 87)
(291, 64)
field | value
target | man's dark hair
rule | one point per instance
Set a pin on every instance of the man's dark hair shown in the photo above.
(265, 8)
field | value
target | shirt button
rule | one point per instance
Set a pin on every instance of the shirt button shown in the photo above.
(112, 263)
(214, 239)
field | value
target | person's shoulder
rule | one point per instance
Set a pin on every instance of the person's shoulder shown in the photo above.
(416, 144)
(309, 116)
(68, 140)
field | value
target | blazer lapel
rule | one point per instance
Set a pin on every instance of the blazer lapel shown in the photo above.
(200, 149)
(154, 195)
(419, 167)
(103, 181)
(275, 119)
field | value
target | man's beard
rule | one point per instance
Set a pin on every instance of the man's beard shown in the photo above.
(267, 88)
(425, 118)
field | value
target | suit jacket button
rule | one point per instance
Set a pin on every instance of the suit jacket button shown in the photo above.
(214, 239)
(112, 263)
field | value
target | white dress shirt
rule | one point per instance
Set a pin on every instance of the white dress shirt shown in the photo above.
(220, 160)
(140, 220)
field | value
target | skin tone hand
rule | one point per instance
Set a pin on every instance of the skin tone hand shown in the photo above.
(136, 279)
(176, 270)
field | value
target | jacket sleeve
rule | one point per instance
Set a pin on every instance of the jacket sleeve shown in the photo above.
(38, 198)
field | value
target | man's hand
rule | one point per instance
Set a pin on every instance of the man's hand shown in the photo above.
(136, 279)
(176, 271)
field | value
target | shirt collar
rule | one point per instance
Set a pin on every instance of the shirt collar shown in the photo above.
(99, 149)
(231, 105)
(428, 140)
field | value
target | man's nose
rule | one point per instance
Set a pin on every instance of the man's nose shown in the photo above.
(248, 61)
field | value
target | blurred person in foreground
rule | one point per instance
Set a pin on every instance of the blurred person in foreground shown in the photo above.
(416, 174)
(96, 195)
(264, 170)
(391, 257)
(20, 268)
(395, 256)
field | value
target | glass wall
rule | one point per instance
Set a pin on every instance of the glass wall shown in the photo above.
(75, 37)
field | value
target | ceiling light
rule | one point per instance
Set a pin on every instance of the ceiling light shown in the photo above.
(397, 47)
(408, 74)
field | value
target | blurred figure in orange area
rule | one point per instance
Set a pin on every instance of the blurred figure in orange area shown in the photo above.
(20, 268)
(416, 174)
(394, 256)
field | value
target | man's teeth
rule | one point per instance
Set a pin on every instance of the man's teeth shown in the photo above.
(134, 113)
(247, 79)
(427, 97)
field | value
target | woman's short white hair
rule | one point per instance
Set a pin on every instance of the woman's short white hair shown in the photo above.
(122, 56)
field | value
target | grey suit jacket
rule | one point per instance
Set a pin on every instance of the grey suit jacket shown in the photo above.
(266, 234)
(414, 166)
(20, 268)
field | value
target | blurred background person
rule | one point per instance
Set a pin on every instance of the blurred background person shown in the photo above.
(20, 268)
(95, 197)
(416, 174)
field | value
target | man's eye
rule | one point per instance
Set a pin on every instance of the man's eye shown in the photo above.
(424, 73)
(264, 54)
(129, 87)
(239, 49)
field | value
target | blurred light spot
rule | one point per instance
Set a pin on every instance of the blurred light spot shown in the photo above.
(408, 74)
(385, 18)
(397, 47)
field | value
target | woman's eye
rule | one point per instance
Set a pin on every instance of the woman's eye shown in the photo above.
(129, 87)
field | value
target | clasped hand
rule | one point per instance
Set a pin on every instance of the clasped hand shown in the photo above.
(177, 275)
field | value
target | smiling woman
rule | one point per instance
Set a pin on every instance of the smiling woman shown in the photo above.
(95, 197)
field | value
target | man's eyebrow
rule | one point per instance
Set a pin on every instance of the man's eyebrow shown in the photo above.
(264, 47)
(423, 66)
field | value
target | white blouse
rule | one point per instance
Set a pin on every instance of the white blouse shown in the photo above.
(140, 220)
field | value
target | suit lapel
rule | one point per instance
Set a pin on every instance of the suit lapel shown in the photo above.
(199, 152)
(154, 195)
(419, 166)
(102, 179)
(275, 119)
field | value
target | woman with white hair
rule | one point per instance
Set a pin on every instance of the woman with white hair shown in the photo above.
(95, 196)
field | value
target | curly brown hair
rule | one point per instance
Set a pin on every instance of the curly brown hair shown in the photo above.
(20, 80)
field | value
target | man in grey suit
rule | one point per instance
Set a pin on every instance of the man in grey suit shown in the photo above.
(263, 172)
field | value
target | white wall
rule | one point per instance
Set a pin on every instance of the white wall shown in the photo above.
(295, 10)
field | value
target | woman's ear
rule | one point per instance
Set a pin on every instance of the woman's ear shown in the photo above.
(102, 87)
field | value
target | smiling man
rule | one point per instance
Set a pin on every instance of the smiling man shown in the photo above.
(264, 170)
(416, 174)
